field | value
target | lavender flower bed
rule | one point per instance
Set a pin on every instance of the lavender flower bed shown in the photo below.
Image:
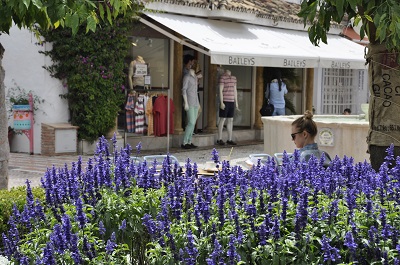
(300, 214)
(117, 211)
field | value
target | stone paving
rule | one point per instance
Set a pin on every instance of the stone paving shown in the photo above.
(24, 166)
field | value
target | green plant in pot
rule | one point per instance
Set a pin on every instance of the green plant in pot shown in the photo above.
(20, 100)
(18, 96)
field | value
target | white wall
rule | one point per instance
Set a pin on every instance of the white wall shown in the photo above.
(24, 65)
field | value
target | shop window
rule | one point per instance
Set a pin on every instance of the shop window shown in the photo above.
(243, 76)
(293, 78)
(341, 89)
(155, 53)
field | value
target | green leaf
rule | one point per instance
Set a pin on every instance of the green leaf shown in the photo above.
(382, 19)
(117, 6)
(101, 11)
(340, 7)
(26, 3)
(109, 15)
(68, 18)
(74, 23)
(353, 4)
(370, 7)
(276, 259)
(382, 33)
(60, 13)
(91, 23)
(392, 26)
(357, 20)
(369, 18)
(37, 3)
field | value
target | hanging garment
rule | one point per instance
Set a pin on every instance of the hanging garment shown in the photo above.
(160, 112)
(145, 100)
(139, 114)
(149, 115)
(130, 113)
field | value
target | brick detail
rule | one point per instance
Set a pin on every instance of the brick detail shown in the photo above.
(48, 137)
(48, 140)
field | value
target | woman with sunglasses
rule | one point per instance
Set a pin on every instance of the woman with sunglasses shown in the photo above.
(304, 131)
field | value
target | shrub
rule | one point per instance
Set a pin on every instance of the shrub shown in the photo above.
(87, 216)
(92, 66)
(14, 197)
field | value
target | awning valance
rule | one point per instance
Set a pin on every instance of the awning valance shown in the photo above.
(231, 43)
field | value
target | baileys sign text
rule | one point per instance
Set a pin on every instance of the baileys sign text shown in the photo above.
(251, 61)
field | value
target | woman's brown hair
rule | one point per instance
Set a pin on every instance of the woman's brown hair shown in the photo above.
(306, 123)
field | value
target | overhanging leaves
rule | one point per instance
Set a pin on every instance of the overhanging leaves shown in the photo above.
(54, 13)
(380, 19)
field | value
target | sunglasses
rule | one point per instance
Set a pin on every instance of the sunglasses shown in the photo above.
(294, 135)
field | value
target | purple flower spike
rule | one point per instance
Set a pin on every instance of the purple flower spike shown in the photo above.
(111, 244)
(123, 225)
(216, 254)
(138, 147)
(349, 242)
(330, 253)
(48, 255)
(215, 156)
(102, 229)
(233, 256)
(29, 195)
(80, 214)
(191, 250)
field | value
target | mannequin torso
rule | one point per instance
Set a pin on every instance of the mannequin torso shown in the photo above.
(134, 79)
(227, 84)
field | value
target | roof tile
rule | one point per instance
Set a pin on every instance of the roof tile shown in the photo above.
(263, 8)
(278, 10)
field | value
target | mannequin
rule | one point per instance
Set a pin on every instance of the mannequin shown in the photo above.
(136, 81)
(188, 61)
(228, 102)
(191, 105)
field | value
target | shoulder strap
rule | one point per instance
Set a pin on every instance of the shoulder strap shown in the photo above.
(267, 92)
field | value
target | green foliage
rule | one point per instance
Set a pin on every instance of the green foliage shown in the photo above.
(88, 239)
(67, 14)
(17, 197)
(113, 208)
(380, 19)
(92, 67)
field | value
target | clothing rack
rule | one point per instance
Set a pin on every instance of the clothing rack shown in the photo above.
(168, 111)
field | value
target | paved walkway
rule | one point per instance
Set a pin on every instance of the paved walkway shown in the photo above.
(24, 166)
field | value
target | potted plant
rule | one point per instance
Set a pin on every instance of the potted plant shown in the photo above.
(17, 101)
(19, 96)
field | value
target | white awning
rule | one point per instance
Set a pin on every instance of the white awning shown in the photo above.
(230, 43)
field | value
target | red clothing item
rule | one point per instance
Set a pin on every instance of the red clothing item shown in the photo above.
(160, 109)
